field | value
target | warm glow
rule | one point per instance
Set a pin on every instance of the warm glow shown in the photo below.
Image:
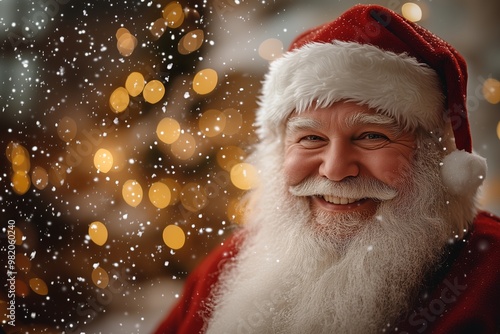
(174, 237)
(229, 156)
(234, 121)
(98, 233)
(174, 188)
(19, 236)
(39, 177)
(126, 42)
(66, 129)
(173, 14)
(23, 262)
(134, 83)
(19, 156)
(153, 91)
(119, 100)
(491, 90)
(159, 195)
(158, 28)
(235, 211)
(57, 174)
(205, 81)
(191, 42)
(212, 122)
(103, 160)
(20, 182)
(193, 197)
(39, 286)
(271, 49)
(411, 11)
(498, 130)
(132, 193)
(100, 277)
(168, 130)
(244, 176)
(184, 147)
(22, 289)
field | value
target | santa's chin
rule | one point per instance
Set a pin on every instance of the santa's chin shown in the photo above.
(340, 222)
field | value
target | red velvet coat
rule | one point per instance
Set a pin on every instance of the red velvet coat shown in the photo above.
(463, 296)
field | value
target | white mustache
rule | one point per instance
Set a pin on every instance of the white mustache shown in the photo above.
(357, 188)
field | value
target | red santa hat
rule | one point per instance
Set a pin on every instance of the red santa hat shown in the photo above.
(373, 56)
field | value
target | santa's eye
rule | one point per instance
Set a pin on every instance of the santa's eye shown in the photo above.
(311, 141)
(311, 138)
(373, 136)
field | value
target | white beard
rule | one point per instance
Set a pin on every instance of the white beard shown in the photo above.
(291, 277)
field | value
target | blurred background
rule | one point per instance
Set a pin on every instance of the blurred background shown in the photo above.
(124, 131)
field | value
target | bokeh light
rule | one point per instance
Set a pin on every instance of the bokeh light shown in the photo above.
(205, 81)
(184, 147)
(20, 182)
(98, 233)
(412, 11)
(158, 27)
(229, 156)
(234, 122)
(153, 91)
(22, 289)
(132, 193)
(100, 277)
(23, 262)
(174, 237)
(191, 42)
(193, 197)
(159, 195)
(103, 160)
(271, 49)
(168, 130)
(135, 84)
(491, 90)
(19, 157)
(39, 177)
(119, 100)
(174, 188)
(38, 286)
(173, 14)
(126, 42)
(19, 236)
(244, 176)
(212, 122)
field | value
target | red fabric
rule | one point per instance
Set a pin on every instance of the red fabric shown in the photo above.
(187, 315)
(379, 26)
(465, 297)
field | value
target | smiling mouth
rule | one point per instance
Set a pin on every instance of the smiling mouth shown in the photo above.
(340, 200)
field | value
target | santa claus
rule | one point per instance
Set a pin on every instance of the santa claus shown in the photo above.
(365, 219)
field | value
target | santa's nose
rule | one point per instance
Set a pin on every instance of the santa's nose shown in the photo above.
(339, 161)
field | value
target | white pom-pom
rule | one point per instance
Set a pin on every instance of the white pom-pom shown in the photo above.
(463, 172)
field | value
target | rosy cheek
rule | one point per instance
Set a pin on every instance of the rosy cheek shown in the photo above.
(391, 169)
(294, 169)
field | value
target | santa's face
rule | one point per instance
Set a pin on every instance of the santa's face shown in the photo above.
(359, 266)
(343, 142)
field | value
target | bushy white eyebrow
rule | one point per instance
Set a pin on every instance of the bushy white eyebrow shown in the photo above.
(371, 119)
(296, 124)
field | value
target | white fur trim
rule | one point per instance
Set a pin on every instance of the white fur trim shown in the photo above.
(463, 172)
(323, 73)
